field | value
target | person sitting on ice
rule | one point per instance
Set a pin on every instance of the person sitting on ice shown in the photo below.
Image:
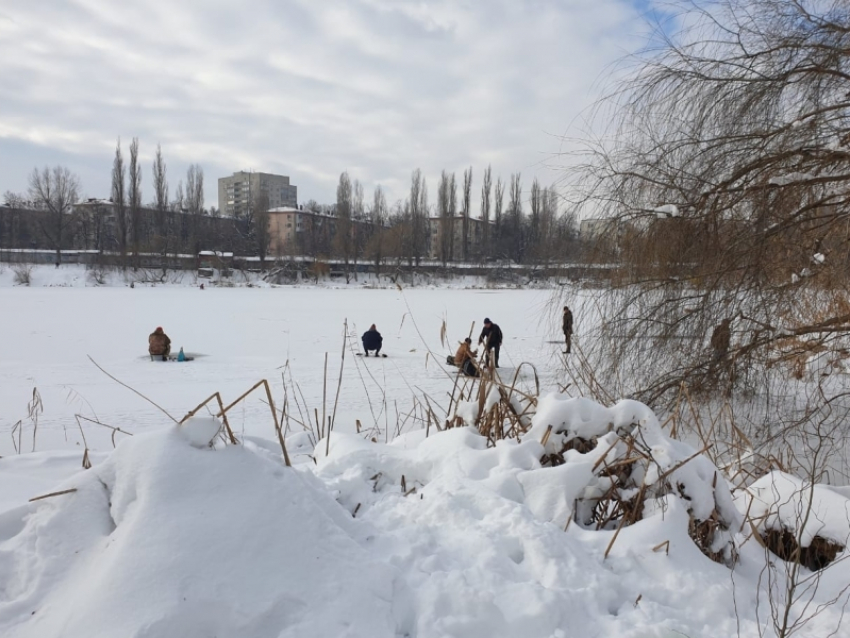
(159, 345)
(372, 340)
(465, 358)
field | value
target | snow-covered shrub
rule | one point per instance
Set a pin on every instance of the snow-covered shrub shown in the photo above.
(97, 275)
(23, 273)
(798, 521)
(631, 470)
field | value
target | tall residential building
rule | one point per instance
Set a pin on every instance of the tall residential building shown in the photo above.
(236, 192)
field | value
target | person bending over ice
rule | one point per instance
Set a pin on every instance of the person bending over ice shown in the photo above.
(372, 340)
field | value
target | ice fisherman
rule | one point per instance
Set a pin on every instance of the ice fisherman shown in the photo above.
(568, 327)
(159, 345)
(465, 358)
(372, 340)
(491, 337)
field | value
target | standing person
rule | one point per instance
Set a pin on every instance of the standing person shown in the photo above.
(372, 340)
(720, 338)
(159, 345)
(491, 337)
(568, 327)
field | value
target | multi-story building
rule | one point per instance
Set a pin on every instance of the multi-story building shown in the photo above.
(293, 231)
(475, 237)
(236, 192)
(285, 222)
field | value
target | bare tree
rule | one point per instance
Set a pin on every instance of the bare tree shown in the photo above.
(486, 189)
(119, 199)
(194, 204)
(417, 244)
(160, 185)
(342, 243)
(452, 215)
(535, 234)
(549, 240)
(498, 202)
(14, 200)
(467, 193)
(56, 191)
(513, 230)
(379, 218)
(421, 223)
(358, 228)
(134, 197)
(445, 220)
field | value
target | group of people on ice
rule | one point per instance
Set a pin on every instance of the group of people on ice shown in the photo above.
(491, 338)
(159, 345)
(467, 359)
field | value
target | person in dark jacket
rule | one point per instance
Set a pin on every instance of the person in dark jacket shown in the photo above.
(720, 338)
(568, 327)
(372, 340)
(491, 337)
(159, 345)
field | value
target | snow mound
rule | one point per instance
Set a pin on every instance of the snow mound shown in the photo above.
(200, 431)
(782, 502)
(431, 535)
(618, 467)
(167, 539)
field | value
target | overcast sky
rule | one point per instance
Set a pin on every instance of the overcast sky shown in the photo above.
(306, 88)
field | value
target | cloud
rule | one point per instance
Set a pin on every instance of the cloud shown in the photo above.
(307, 89)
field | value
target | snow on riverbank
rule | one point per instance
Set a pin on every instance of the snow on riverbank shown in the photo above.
(424, 536)
(81, 276)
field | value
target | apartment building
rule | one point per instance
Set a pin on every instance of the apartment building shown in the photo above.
(475, 237)
(236, 192)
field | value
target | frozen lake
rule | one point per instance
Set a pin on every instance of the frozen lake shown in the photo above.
(248, 334)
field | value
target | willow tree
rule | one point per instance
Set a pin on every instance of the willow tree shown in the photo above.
(724, 167)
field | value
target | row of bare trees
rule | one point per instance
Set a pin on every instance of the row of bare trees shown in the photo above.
(136, 231)
(412, 230)
(351, 229)
(52, 216)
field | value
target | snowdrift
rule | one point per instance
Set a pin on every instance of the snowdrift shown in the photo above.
(438, 535)
(168, 539)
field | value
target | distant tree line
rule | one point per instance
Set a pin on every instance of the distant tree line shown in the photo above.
(412, 230)
(512, 226)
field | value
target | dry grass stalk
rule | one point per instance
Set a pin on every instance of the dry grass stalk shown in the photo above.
(216, 396)
(51, 494)
(86, 459)
(665, 545)
(324, 398)
(223, 415)
(338, 385)
(158, 407)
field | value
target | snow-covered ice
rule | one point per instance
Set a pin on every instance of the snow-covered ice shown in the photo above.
(414, 535)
